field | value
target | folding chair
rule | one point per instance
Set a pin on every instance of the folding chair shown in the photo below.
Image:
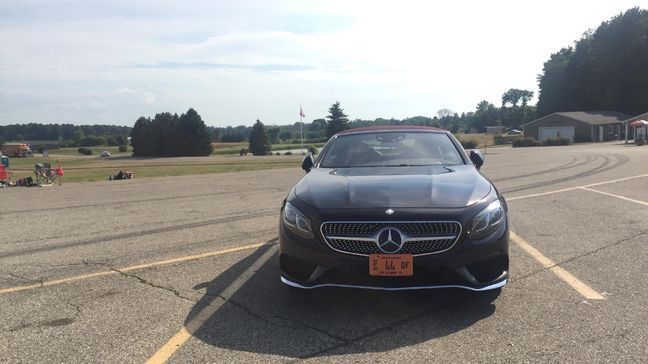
(45, 174)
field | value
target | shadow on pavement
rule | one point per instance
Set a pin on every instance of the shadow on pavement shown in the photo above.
(264, 316)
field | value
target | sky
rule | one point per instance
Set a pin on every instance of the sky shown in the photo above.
(110, 62)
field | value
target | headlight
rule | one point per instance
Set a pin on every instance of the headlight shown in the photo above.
(297, 221)
(486, 221)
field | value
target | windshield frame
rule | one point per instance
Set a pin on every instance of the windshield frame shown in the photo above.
(327, 147)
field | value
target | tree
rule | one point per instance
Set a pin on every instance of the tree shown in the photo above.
(605, 70)
(92, 141)
(259, 144)
(515, 115)
(486, 114)
(553, 94)
(141, 145)
(285, 135)
(317, 129)
(337, 120)
(170, 135)
(193, 136)
(273, 135)
(444, 116)
(514, 95)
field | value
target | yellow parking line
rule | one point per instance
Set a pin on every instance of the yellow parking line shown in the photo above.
(167, 351)
(128, 269)
(580, 287)
(617, 196)
(55, 282)
(181, 337)
(575, 188)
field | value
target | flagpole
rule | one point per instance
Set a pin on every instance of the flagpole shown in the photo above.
(301, 127)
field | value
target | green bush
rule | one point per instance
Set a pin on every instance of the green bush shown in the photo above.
(556, 141)
(312, 150)
(506, 139)
(288, 153)
(85, 151)
(469, 144)
(92, 141)
(123, 148)
(525, 142)
(277, 153)
(640, 141)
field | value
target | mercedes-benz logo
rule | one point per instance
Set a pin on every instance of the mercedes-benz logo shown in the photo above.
(390, 241)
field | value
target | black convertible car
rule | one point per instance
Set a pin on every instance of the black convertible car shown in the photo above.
(394, 208)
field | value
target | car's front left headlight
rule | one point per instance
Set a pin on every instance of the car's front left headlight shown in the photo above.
(297, 221)
(487, 220)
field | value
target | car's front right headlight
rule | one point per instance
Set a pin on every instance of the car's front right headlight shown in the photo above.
(487, 220)
(297, 221)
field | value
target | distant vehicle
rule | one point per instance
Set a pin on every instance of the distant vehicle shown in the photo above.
(105, 154)
(394, 208)
(17, 150)
(514, 132)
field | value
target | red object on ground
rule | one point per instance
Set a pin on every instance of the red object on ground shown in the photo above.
(3, 173)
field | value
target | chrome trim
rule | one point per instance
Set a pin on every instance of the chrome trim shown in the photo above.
(487, 288)
(407, 239)
(353, 238)
(375, 237)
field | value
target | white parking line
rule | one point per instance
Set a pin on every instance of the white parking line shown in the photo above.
(580, 287)
(576, 187)
(617, 196)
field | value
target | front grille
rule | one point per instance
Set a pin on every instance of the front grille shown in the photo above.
(354, 247)
(360, 238)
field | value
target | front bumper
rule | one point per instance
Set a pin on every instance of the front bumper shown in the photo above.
(500, 284)
(476, 265)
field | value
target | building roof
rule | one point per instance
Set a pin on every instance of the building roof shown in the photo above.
(383, 128)
(591, 117)
(638, 117)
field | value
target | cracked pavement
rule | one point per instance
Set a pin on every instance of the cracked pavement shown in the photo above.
(127, 314)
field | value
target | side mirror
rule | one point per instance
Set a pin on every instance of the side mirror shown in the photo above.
(477, 158)
(308, 163)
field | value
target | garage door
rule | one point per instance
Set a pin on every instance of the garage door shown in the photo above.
(547, 132)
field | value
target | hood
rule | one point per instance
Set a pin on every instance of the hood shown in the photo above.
(385, 187)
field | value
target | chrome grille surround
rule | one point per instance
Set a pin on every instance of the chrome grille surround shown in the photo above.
(420, 237)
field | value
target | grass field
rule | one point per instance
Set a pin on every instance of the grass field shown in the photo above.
(81, 168)
(480, 139)
(235, 148)
(95, 150)
(92, 168)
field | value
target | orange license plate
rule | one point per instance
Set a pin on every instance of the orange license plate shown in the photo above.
(391, 265)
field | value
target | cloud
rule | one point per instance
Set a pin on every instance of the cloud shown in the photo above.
(147, 96)
(126, 91)
(208, 65)
(236, 61)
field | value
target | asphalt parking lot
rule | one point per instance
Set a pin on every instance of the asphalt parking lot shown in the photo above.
(183, 269)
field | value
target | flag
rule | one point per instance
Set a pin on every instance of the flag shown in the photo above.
(301, 112)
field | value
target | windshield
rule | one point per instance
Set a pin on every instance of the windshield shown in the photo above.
(391, 150)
